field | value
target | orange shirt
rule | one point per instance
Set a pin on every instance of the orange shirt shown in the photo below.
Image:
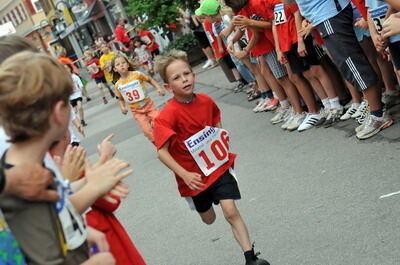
(133, 90)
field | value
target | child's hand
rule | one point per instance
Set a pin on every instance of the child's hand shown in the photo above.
(193, 181)
(379, 43)
(161, 92)
(98, 239)
(301, 49)
(106, 149)
(361, 23)
(281, 57)
(241, 54)
(104, 178)
(124, 111)
(81, 130)
(73, 163)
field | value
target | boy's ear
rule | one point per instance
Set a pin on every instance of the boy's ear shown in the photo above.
(59, 114)
(167, 87)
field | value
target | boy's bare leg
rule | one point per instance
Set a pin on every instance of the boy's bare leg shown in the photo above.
(100, 87)
(208, 217)
(239, 228)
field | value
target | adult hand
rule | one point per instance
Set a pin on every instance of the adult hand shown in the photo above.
(301, 49)
(391, 26)
(193, 181)
(31, 182)
(98, 239)
(105, 177)
(102, 258)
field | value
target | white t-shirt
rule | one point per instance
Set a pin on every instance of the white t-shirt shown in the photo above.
(77, 92)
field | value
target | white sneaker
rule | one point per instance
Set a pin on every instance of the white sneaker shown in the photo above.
(207, 64)
(360, 110)
(280, 115)
(261, 103)
(295, 122)
(373, 125)
(350, 112)
(287, 120)
(310, 121)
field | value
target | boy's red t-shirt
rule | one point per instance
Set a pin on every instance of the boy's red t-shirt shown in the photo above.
(179, 121)
(208, 28)
(149, 35)
(256, 9)
(287, 32)
(121, 34)
(100, 73)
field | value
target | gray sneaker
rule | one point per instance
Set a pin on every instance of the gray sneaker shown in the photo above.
(281, 114)
(373, 125)
(334, 116)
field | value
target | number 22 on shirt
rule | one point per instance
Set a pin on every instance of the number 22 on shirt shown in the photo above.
(209, 148)
(132, 92)
(279, 14)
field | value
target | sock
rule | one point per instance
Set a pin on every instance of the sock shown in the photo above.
(264, 95)
(249, 255)
(377, 113)
(284, 103)
(335, 103)
(270, 94)
(326, 103)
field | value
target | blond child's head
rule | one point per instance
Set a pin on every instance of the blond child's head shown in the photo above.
(88, 55)
(121, 64)
(34, 94)
(104, 48)
(12, 44)
(176, 72)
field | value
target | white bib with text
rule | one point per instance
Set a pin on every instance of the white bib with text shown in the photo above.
(132, 92)
(279, 14)
(209, 148)
(378, 15)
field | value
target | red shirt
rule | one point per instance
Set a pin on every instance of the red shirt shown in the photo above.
(146, 36)
(179, 121)
(121, 34)
(360, 4)
(100, 73)
(208, 28)
(287, 32)
(256, 9)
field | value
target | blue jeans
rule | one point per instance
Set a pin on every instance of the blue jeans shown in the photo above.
(243, 70)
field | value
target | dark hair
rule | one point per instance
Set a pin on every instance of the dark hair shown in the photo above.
(236, 5)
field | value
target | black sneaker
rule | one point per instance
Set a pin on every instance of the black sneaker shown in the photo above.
(112, 93)
(83, 123)
(257, 261)
(88, 99)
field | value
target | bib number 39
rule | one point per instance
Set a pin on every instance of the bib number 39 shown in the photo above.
(209, 148)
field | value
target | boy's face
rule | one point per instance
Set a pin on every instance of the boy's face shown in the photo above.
(121, 65)
(180, 79)
(105, 49)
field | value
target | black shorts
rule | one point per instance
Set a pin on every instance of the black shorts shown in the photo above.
(74, 102)
(202, 39)
(300, 64)
(228, 61)
(394, 49)
(100, 80)
(224, 188)
(341, 41)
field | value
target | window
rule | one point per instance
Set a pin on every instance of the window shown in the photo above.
(38, 7)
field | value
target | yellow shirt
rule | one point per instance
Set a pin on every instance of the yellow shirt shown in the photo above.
(104, 60)
(133, 90)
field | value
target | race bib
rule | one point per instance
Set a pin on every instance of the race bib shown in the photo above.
(279, 14)
(72, 223)
(210, 38)
(378, 15)
(93, 68)
(132, 92)
(209, 148)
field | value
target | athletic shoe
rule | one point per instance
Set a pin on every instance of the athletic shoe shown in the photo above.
(360, 110)
(83, 123)
(373, 125)
(260, 104)
(257, 261)
(334, 116)
(207, 64)
(309, 121)
(214, 64)
(105, 101)
(271, 104)
(239, 87)
(88, 99)
(363, 114)
(112, 94)
(350, 111)
(280, 115)
(295, 122)
(325, 113)
(287, 120)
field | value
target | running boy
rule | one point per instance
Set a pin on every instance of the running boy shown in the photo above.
(106, 60)
(191, 142)
(131, 89)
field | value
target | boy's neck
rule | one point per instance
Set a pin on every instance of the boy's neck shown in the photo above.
(30, 151)
(185, 99)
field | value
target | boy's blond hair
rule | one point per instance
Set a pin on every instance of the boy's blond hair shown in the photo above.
(88, 53)
(30, 85)
(12, 44)
(163, 61)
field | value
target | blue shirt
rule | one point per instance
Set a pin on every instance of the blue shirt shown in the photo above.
(317, 11)
(372, 4)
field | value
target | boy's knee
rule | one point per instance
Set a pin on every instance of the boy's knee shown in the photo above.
(231, 214)
(208, 220)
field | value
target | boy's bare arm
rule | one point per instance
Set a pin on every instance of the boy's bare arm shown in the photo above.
(192, 179)
(393, 3)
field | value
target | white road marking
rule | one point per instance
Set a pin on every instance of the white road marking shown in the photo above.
(389, 195)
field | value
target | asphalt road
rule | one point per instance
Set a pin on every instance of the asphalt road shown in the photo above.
(309, 198)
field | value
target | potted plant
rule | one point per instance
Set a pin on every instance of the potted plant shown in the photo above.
(189, 44)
